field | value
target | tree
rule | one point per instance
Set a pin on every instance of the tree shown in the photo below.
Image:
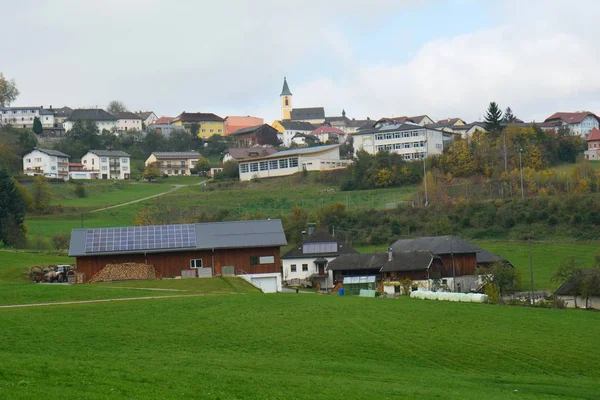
(202, 166)
(40, 190)
(195, 128)
(590, 284)
(8, 91)
(115, 107)
(60, 241)
(79, 190)
(508, 116)
(504, 278)
(12, 212)
(37, 126)
(493, 118)
(230, 170)
(151, 172)
(458, 160)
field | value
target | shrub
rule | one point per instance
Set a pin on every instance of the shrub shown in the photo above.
(79, 190)
(552, 220)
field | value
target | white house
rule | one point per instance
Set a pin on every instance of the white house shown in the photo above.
(108, 164)
(128, 121)
(50, 163)
(288, 162)
(329, 134)
(579, 123)
(148, 117)
(291, 128)
(413, 142)
(305, 264)
(23, 117)
(174, 163)
(303, 139)
(102, 119)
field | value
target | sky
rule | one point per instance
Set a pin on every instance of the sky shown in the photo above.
(377, 58)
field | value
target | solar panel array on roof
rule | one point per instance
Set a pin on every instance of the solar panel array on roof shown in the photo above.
(140, 238)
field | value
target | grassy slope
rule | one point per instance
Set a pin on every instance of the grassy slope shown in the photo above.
(278, 346)
(567, 168)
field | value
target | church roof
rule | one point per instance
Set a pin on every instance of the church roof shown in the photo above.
(286, 90)
(300, 114)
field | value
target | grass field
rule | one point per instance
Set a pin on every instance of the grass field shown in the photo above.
(567, 168)
(291, 346)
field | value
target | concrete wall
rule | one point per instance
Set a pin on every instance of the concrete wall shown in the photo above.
(593, 302)
(288, 275)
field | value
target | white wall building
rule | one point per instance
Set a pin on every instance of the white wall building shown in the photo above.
(289, 162)
(291, 128)
(413, 142)
(49, 163)
(128, 121)
(102, 119)
(108, 164)
(306, 263)
(174, 163)
(579, 123)
(23, 117)
(148, 117)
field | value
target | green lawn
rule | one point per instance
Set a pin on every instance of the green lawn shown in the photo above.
(291, 346)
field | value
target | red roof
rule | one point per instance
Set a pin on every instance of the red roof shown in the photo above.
(163, 120)
(327, 129)
(593, 135)
(571, 117)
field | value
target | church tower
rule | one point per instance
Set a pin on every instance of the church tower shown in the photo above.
(286, 101)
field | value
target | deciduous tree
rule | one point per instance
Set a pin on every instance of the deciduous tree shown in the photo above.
(40, 190)
(115, 107)
(8, 91)
(12, 212)
(202, 166)
(152, 172)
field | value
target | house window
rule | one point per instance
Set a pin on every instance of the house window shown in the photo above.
(283, 163)
(273, 164)
(103, 159)
(244, 168)
(169, 172)
(293, 162)
(104, 168)
(182, 164)
(264, 165)
(305, 267)
(256, 260)
(53, 168)
(254, 167)
(293, 267)
(123, 161)
(196, 263)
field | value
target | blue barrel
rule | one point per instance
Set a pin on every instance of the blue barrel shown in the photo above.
(341, 291)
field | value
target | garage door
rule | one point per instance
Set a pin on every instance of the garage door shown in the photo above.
(268, 285)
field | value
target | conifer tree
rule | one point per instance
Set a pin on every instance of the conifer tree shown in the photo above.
(493, 118)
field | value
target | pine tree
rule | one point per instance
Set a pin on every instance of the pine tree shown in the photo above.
(493, 118)
(509, 117)
(37, 126)
(12, 212)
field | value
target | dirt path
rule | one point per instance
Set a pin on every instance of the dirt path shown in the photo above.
(174, 188)
(63, 303)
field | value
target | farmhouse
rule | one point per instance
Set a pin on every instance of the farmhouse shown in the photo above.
(289, 162)
(175, 162)
(306, 263)
(572, 297)
(205, 249)
(256, 135)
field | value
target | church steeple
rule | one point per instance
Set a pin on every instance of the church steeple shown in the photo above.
(286, 101)
(343, 113)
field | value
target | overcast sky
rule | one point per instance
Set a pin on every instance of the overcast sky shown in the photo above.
(374, 58)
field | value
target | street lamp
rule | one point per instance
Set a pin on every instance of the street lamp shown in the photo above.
(521, 169)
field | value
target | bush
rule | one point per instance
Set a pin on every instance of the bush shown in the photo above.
(79, 190)
(552, 220)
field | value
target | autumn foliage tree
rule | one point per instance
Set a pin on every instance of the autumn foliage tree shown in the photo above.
(458, 160)
(151, 172)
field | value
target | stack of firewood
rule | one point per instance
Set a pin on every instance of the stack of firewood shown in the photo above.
(124, 272)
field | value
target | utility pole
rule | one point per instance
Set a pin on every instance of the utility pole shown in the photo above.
(530, 271)
(81, 220)
(521, 168)
(425, 174)
(505, 155)
(453, 265)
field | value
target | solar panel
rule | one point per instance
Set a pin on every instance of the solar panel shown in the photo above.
(154, 237)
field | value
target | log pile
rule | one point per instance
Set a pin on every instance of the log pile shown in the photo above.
(125, 272)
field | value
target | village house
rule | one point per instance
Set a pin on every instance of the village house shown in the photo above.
(306, 263)
(288, 162)
(23, 117)
(244, 153)
(304, 139)
(174, 163)
(413, 142)
(593, 143)
(209, 124)
(234, 123)
(329, 134)
(260, 135)
(128, 121)
(344, 123)
(579, 123)
(45, 162)
(104, 121)
(106, 164)
(247, 248)
(569, 293)
(148, 117)
(288, 129)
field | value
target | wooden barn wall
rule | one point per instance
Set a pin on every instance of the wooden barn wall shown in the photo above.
(464, 264)
(171, 264)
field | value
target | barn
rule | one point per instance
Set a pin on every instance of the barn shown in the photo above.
(202, 249)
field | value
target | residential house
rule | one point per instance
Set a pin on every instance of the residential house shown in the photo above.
(569, 293)
(289, 129)
(579, 123)
(49, 163)
(164, 129)
(148, 117)
(457, 126)
(329, 134)
(304, 139)
(102, 119)
(77, 171)
(593, 143)
(245, 153)
(174, 163)
(61, 114)
(23, 117)
(233, 123)
(250, 249)
(260, 135)
(306, 263)
(108, 164)
(288, 162)
(164, 120)
(128, 121)
(451, 122)
(209, 124)
(413, 142)
(346, 124)
(315, 115)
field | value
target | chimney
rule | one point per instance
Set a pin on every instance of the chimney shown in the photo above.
(311, 228)
(390, 254)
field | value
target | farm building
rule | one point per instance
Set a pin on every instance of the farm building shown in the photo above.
(572, 297)
(306, 262)
(207, 249)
